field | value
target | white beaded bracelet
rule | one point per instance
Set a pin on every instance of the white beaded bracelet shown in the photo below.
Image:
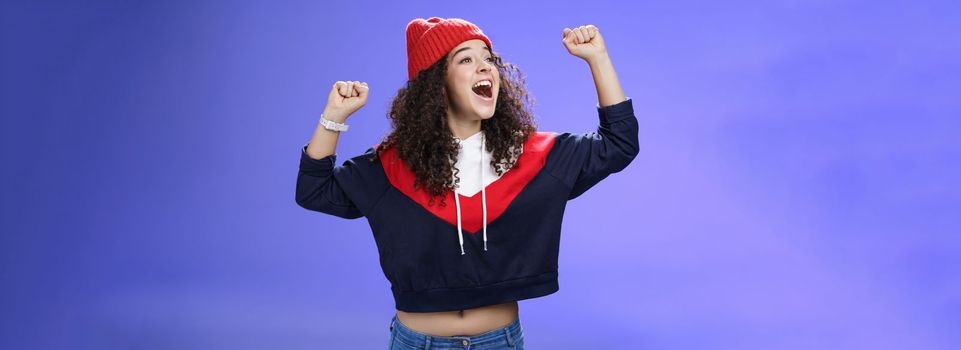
(332, 125)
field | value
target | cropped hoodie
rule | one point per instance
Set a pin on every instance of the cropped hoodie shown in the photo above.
(499, 241)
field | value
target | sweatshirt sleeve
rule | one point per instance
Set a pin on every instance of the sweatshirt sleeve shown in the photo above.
(318, 188)
(581, 160)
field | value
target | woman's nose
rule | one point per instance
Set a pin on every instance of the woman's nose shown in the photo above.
(485, 66)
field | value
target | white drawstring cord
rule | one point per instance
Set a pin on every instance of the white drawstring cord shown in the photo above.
(483, 190)
(460, 229)
(460, 234)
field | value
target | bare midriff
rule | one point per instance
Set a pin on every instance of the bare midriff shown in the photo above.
(469, 322)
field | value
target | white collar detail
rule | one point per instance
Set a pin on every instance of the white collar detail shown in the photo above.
(475, 173)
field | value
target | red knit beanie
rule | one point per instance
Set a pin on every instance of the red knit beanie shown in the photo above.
(429, 40)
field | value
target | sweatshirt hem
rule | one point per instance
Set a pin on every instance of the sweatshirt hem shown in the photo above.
(451, 299)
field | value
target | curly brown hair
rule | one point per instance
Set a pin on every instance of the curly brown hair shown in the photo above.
(424, 141)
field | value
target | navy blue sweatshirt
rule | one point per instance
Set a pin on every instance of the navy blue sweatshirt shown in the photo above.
(434, 266)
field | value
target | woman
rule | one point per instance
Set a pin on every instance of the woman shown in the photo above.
(463, 133)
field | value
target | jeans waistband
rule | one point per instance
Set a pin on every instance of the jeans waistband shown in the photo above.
(509, 334)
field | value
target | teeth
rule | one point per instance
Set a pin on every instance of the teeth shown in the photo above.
(483, 83)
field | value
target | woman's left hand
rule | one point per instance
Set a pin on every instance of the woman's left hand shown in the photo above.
(584, 42)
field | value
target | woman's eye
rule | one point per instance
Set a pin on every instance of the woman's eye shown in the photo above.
(468, 59)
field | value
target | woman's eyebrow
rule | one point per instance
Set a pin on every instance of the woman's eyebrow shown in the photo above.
(468, 48)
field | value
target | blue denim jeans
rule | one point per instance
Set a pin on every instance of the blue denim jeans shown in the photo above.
(509, 337)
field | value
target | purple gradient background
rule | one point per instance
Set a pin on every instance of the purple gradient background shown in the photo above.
(796, 187)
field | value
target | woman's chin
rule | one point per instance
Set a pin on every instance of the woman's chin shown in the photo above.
(485, 110)
(484, 113)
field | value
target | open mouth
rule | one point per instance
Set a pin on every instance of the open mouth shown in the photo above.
(484, 89)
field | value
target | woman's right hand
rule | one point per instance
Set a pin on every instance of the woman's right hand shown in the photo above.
(345, 98)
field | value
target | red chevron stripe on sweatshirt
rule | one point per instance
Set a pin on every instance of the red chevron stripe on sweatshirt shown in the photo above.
(500, 193)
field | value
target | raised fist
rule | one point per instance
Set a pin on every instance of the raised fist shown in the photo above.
(584, 42)
(345, 98)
